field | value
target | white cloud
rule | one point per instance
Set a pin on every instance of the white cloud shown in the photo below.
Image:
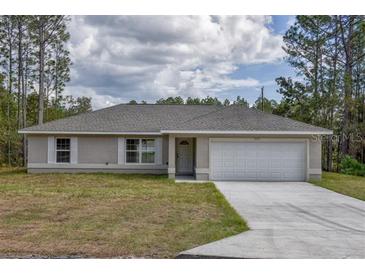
(119, 58)
(98, 100)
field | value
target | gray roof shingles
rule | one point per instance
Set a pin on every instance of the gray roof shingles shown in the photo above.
(241, 118)
(153, 118)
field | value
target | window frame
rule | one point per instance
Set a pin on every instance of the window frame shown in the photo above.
(140, 151)
(67, 150)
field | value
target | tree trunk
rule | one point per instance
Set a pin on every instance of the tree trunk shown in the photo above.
(347, 43)
(24, 112)
(20, 70)
(10, 86)
(41, 73)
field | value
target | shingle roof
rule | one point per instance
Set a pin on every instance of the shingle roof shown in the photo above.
(127, 118)
(238, 117)
(154, 118)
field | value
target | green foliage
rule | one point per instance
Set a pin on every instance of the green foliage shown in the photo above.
(193, 101)
(351, 166)
(189, 101)
(211, 101)
(171, 101)
(269, 105)
(240, 101)
(197, 101)
(8, 128)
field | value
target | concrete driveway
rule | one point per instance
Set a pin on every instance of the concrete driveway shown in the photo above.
(290, 220)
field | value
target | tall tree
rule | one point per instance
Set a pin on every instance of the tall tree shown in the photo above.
(240, 101)
(45, 31)
(328, 55)
(32, 53)
(269, 105)
(22, 44)
(7, 40)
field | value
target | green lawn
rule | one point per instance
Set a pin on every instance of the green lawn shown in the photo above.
(353, 186)
(108, 215)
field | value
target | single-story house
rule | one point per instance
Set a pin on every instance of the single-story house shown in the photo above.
(205, 141)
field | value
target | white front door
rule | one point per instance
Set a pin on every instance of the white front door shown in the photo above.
(184, 156)
(258, 161)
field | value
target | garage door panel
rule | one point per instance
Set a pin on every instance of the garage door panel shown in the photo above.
(263, 164)
(251, 163)
(276, 163)
(276, 175)
(250, 175)
(258, 161)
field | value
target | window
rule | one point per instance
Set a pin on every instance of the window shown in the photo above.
(140, 151)
(132, 151)
(63, 150)
(148, 151)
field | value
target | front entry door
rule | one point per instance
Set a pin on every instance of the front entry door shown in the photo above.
(184, 156)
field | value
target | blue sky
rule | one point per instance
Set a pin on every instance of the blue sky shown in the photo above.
(120, 58)
(266, 73)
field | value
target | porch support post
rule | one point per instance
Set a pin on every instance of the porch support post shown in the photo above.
(202, 159)
(172, 153)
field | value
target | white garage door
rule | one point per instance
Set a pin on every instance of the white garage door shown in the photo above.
(258, 161)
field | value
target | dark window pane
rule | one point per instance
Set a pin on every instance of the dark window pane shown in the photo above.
(132, 144)
(132, 157)
(63, 144)
(63, 157)
(148, 157)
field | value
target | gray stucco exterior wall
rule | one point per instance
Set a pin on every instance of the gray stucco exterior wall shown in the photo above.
(315, 158)
(315, 149)
(94, 154)
(37, 149)
(97, 149)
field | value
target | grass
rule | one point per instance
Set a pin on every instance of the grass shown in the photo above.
(108, 215)
(349, 185)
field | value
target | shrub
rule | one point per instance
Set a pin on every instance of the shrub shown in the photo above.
(351, 166)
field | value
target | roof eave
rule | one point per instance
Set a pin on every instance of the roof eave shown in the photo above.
(172, 131)
(249, 132)
(89, 132)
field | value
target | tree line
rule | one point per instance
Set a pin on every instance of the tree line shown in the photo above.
(328, 54)
(34, 69)
(261, 103)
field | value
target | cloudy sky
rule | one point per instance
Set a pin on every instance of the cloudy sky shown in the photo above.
(120, 58)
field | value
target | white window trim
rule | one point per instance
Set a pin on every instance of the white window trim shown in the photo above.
(51, 158)
(139, 151)
(74, 150)
(56, 150)
(121, 150)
